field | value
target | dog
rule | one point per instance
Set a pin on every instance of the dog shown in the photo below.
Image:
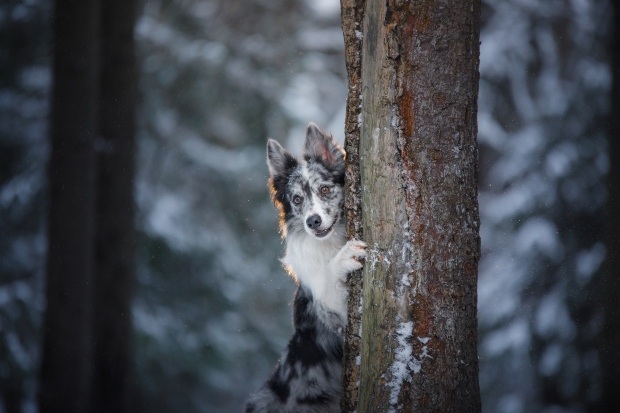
(309, 194)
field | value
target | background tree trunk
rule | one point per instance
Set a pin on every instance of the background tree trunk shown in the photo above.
(115, 239)
(66, 367)
(87, 328)
(418, 164)
(610, 283)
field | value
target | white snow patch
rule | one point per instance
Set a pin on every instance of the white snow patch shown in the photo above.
(552, 317)
(561, 159)
(361, 307)
(589, 261)
(540, 235)
(515, 337)
(416, 364)
(386, 261)
(325, 8)
(18, 350)
(406, 247)
(373, 256)
(551, 360)
(402, 360)
(301, 99)
(328, 39)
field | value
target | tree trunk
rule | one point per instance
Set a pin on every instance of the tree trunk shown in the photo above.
(352, 12)
(610, 282)
(418, 166)
(115, 240)
(87, 328)
(65, 369)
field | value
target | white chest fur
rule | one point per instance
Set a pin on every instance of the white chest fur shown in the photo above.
(315, 264)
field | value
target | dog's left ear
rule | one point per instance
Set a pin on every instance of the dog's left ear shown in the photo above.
(321, 145)
(279, 161)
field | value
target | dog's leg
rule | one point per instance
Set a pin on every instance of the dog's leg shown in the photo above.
(334, 295)
(348, 259)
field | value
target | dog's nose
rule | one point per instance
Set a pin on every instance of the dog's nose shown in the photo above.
(313, 222)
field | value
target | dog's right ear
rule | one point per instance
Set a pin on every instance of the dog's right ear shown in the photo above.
(279, 160)
(321, 145)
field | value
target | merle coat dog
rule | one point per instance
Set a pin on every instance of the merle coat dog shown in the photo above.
(309, 194)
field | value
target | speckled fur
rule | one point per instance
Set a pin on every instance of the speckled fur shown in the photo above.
(307, 377)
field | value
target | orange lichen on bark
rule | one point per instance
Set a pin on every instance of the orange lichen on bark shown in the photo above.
(420, 13)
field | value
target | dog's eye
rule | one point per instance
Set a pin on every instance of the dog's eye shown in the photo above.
(297, 200)
(324, 190)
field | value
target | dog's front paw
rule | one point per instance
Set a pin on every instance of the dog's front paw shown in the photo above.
(348, 258)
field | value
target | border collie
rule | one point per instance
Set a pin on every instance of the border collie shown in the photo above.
(309, 194)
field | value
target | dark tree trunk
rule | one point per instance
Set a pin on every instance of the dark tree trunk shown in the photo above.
(66, 367)
(610, 282)
(418, 167)
(87, 328)
(115, 240)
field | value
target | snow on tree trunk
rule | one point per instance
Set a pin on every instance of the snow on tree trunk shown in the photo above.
(417, 156)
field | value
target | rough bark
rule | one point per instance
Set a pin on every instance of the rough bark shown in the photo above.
(610, 335)
(352, 12)
(115, 239)
(65, 370)
(418, 165)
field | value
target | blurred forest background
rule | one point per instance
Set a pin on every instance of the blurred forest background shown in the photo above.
(211, 302)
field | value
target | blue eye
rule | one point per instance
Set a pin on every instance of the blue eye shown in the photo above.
(297, 200)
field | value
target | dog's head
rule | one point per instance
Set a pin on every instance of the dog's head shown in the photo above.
(309, 192)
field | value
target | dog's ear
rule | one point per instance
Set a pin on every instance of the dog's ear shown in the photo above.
(321, 145)
(279, 160)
